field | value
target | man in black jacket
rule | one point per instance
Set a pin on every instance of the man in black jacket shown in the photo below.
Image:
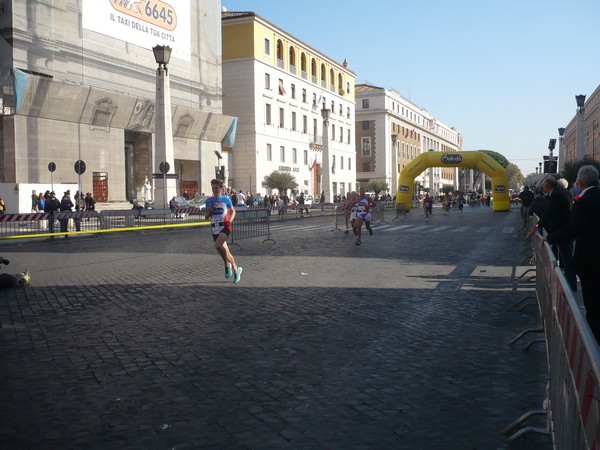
(584, 226)
(556, 215)
(52, 204)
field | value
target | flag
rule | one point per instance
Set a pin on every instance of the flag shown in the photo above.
(314, 164)
(317, 104)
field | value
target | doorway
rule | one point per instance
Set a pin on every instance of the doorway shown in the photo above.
(138, 163)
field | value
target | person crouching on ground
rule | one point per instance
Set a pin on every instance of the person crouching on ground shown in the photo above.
(221, 213)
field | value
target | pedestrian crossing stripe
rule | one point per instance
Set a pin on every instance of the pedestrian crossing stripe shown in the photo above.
(392, 228)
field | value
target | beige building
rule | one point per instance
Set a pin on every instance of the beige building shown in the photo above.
(277, 86)
(589, 118)
(391, 131)
(78, 82)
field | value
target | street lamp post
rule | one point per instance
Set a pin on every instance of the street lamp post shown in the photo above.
(163, 127)
(580, 119)
(394, 184)
(326, 170)
(561, 150)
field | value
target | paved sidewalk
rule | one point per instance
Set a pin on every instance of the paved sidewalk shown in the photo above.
(138, 341)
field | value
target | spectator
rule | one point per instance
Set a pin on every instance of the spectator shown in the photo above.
(34, 199)
(526, 197)
(52, 205)
(90, 203)
(65, 205)
(538, 205)
(301, 205)
(2, 207)
(556, 215)
(583, 227)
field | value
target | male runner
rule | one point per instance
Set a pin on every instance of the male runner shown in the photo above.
(362, 207)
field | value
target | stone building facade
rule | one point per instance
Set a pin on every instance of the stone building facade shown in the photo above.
(277, 86)
(78, 81)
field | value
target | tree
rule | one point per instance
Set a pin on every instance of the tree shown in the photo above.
(447, 188)
(500, 159)
(572, 167)
(515, 176)
(377, 186)
(282, 181)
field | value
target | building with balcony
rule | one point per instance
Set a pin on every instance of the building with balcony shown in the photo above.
(391, 131)
(277, 86)
(78, 82)
(581, 137)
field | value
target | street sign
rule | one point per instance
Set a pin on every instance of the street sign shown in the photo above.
(51, 167)
(168, 176)
(79, 167)
(164, 167)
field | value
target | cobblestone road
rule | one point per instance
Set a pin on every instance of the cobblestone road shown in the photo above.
(138, 341)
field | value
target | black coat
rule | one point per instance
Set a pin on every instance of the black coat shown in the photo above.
(583, 227)
(557, 213)
(52, 204)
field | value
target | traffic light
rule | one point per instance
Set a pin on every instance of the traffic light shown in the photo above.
(550, 165)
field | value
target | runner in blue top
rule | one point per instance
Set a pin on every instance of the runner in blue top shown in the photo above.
(221, 213)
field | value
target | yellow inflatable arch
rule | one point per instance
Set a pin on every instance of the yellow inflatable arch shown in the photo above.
(471, 159)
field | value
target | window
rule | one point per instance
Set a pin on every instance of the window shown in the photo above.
(306, 157)
(281, 118)
(267, 81)
(295, 156)
(293, 121)
(281, 88)
(305, 124)
(282, 153)
(341, 134)
(314, 99)
(332, 107)
(269, 153)
(347, 87)
(267, 47)
(365, 124)
(332, 132)
(349, 168)
(366, 146)
(365, 103)
(293, 89)
(268, 114)
(348, 113)
(341, 163)
(366, 167)
(348, 137)
(315, 128)
(341, 110)
(303, 95)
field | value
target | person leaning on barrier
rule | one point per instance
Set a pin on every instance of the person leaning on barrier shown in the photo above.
(8, 280)
(584, 227)
(538, 205)
(558, 214)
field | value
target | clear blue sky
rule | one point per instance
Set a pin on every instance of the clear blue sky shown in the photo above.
(503, 73)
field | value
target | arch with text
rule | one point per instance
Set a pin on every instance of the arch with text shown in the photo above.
(469, 159)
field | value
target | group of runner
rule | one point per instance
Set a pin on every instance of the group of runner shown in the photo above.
(357, 210)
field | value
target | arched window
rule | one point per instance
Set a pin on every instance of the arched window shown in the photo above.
(303, 68)
(279, 53)
(313, 70)
(332, 80)
(323, 76)
(340, 84)
(292, 60)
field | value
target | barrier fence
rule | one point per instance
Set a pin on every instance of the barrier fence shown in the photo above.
(573, 358)
(250, 223)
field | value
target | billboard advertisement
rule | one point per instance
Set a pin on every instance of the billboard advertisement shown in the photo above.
(144, 23)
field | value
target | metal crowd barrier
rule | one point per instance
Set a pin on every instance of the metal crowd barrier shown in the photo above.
(573, 359)
(401, 209)
(250, 223)
(64, 222)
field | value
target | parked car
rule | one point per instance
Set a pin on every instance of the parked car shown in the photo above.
(309, 199)
(199, 202)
